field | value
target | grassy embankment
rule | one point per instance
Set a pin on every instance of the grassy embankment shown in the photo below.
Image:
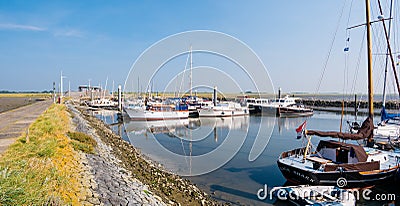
(45, 169)
(31, 95)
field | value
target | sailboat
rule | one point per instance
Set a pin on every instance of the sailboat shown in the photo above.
(103, 101)
(387, 132)
(339, 163)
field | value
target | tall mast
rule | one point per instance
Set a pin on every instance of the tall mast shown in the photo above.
(388, 52)
(369, 49)
(191, 68)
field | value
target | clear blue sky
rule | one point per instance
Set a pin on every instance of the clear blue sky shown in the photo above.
(99, 39)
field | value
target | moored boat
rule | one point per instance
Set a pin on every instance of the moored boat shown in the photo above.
(334, 161)
(224, 109)
(283, 107)
(159, 111)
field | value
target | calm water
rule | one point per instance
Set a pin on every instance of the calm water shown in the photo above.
(194, 146)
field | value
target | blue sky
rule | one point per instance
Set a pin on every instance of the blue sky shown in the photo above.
(99, 39)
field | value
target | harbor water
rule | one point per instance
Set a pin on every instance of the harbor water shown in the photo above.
(176, 145)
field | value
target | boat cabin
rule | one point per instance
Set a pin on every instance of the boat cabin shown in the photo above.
(334, 155)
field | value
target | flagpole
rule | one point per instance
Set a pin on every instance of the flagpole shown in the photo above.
(307, 147)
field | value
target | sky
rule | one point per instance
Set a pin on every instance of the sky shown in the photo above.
(98, 40)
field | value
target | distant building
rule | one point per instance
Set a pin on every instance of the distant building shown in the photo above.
(85, 88)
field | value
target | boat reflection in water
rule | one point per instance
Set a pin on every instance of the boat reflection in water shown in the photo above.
(155, 127)
(186, 146)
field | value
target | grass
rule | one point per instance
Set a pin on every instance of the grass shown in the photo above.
(83, 142)
(45, 170)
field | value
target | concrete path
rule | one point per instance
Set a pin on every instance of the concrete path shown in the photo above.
(13, 123)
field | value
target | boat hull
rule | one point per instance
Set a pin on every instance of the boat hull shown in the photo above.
(282, 111)
(221, 113)
(353, 178)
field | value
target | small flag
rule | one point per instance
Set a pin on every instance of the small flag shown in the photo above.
(346, 49)
(300, 129)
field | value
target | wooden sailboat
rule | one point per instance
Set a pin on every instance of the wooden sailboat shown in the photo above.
(339, 163)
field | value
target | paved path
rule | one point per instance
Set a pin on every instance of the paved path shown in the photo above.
(14, 122)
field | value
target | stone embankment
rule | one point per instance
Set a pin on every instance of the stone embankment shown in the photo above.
(349, 106)
(117, 174)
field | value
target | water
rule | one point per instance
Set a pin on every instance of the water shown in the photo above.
(184, 147)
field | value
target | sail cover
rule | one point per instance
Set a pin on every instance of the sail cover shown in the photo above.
(357, 150)
(365, 131)
(386, 116)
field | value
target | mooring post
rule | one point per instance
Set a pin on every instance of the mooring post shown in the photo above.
(215, 96)
(119, 98)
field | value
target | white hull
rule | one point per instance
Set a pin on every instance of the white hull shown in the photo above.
(221, 113)
(142, 114)
(225, 109)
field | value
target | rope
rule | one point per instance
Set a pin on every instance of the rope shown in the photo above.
(183, 76)
(329, 53)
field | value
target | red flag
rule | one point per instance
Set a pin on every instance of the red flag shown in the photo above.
(300, 129)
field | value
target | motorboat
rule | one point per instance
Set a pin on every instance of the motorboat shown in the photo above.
(223, 109)
(156, 111)
(283, 107)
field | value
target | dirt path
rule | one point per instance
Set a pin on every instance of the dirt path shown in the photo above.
(14, 122)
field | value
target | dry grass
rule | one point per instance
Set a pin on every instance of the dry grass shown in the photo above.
(43, 171)
(32, 95)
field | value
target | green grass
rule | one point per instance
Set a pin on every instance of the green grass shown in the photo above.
(82, 142)
(43, 171)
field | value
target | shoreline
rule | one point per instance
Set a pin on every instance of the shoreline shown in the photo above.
(163, 185)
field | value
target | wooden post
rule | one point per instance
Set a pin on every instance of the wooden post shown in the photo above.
(27, 136)
(341, 118)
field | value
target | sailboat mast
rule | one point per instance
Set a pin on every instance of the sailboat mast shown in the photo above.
(388, 53)
(369, 49)
(191, 68)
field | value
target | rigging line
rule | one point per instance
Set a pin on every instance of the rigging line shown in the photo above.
(183, 76)
(329, 52)
(378, 61)
(346, 69)
(389, 49)
(358, 63)
(183, 149)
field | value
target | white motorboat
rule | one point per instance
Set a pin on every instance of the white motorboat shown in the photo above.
(283, 107)
(223, 109)
(156, 111)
